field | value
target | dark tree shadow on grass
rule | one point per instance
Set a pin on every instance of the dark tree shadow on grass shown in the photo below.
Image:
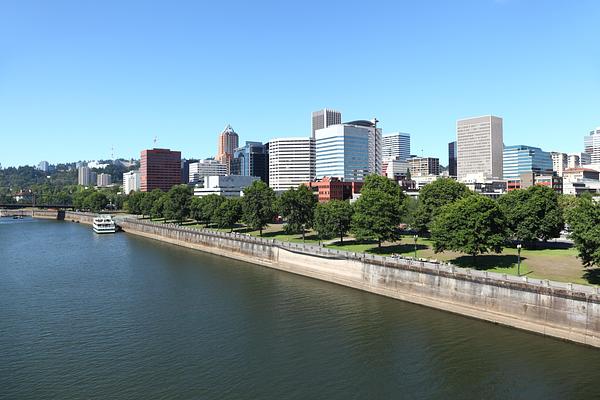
(487, 261)
(592, 276)
(402, 248)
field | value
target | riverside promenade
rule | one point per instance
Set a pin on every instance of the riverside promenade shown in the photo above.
(562, 310)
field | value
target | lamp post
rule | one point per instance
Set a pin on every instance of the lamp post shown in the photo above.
(416, 237)
(519, 246)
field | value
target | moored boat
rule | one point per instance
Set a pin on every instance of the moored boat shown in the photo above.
(104, 224)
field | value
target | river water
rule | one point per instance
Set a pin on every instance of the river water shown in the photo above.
(84, 316)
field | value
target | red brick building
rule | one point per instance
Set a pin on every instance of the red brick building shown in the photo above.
(334, 189)
(160, 169)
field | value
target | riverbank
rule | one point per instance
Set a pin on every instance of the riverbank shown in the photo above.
(566, 311)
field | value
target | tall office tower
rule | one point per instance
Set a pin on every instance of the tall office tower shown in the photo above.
(291, 162)
(131, 181)
(396, 145)
(480, 147)
(423, 166)
(43, 166)
(519, 159)
(344, 151)
(83, 176)
(592, 146)
(209, 167)
(452, 155)
(375, 144)
(103, 180)
(228, 142)
(560, 162)
(185, 169)
(251, 160)
(324, 118)
(160, 169)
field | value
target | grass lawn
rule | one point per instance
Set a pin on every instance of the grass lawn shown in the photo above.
(553, 264)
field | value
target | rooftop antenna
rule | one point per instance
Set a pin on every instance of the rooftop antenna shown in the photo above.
(112, 152)
(155, 140)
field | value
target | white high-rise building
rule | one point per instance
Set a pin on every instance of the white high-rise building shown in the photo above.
(103, 180)
(83, 176)
(349, 151)
(560, 162)
(480, 147)
(396, 145)
(324, 118)
(291, 162)
(43, 166)
(208, 167)
(131, 182)
(592, 146)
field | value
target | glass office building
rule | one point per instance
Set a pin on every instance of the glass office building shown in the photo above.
(520, 158)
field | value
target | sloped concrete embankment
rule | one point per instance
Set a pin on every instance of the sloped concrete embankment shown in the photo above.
(566, 311)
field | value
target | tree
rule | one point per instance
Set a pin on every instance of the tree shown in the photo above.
(333, 218)
(158, 207)
(210, 208)
(297, 207)
(379, 210)
(133, 204)
(532, 214)
(584, 223)
(472, 225)
(177, 205)
(433, 196)
(148, 200)
(228, 213)
(197, 210)
(258, 205)
(96, 201)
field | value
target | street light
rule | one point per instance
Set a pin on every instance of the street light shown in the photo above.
(519, 246)
(416, 237)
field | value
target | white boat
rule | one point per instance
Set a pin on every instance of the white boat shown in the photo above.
(104, 224)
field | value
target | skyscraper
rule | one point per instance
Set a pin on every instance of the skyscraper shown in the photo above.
(291, 162)
(423, 166)
(519, 159)
(251, 160)
(324, 118)
(83, 176)
(103, 180)
(559, 162)
(480, 147)
(349, 151)
(160, 169)
(452, 155)
(228, 142)
(396, 144)
(592, 145)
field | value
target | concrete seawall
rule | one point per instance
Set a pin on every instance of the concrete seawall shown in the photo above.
(562, 310)
(566, 311)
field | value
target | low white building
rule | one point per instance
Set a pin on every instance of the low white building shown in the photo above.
(131, 182)
(226, 186)
(207, 167)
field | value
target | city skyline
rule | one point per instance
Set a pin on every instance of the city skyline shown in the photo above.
(66, 78)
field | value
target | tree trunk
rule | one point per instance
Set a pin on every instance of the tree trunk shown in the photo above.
(379, 243)
(260, 232)
(341, 237)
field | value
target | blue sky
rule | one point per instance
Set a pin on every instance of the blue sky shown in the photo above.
(78, 77)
